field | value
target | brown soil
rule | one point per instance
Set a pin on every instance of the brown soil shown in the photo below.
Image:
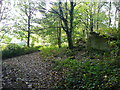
(28, 71)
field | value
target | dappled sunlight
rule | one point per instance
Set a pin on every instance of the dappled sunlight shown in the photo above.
(60, 44)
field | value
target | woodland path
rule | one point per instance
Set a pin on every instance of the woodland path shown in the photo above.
(28, 71)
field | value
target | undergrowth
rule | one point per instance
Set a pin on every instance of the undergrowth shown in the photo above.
(87, 74)
(52, 52)
(13, 50)
(96, 71)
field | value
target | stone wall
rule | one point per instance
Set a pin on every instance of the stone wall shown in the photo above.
(96, 41)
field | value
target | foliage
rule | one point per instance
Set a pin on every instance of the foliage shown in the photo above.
(115, 47)
(66, 22)
(6, 39)
(53, 52)
(87, 74)
(28, 50)
(13, 50)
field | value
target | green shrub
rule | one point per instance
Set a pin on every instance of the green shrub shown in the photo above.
(88, 74)
(13, 50)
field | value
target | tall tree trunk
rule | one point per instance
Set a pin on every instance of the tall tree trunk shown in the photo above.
(29, 18)
(115, 17)
(91, 17)
(109, 14)
(119, 21)
(119, 26)
(59, 34)
(28, 41)
(69, 38)
(67, 24)
(69, 35)
(59, 38)
(97, 24)
(91, 22)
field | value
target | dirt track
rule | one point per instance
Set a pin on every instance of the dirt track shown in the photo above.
(27, 71)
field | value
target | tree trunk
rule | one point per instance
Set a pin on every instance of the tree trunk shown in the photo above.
(59, 34)
(29, 18)
(115, 17)
(91, 17)
(28, 41)
(97, 24)
(59, 38)
(69, 38)
(109, 14)
(69, 33)
(67, 23)
(91, 22)
(119, 21)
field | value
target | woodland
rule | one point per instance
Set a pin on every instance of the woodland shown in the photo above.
(79, 40)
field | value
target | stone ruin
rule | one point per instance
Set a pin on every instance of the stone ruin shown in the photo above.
(97, 41)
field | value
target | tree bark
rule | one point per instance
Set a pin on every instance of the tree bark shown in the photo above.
(109, 14)
(69, 33)
(119, 21)
(91, 22)
(91, 18)
(115, 17)
(69, 38)
(59, 38)
(28, 41)
(67, 23)
(97, 24)
(29, 23)
(59, 34)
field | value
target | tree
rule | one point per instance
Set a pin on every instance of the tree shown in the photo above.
(59, 33)
(79, 18)
(65, 12)
(99, 6)
(50, 29)
(27, 10)
(4, 17)
(90, 17)
(110, 13)
(4, 10)
(117, 5)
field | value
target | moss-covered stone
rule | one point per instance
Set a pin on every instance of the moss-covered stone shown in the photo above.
(96, 41)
